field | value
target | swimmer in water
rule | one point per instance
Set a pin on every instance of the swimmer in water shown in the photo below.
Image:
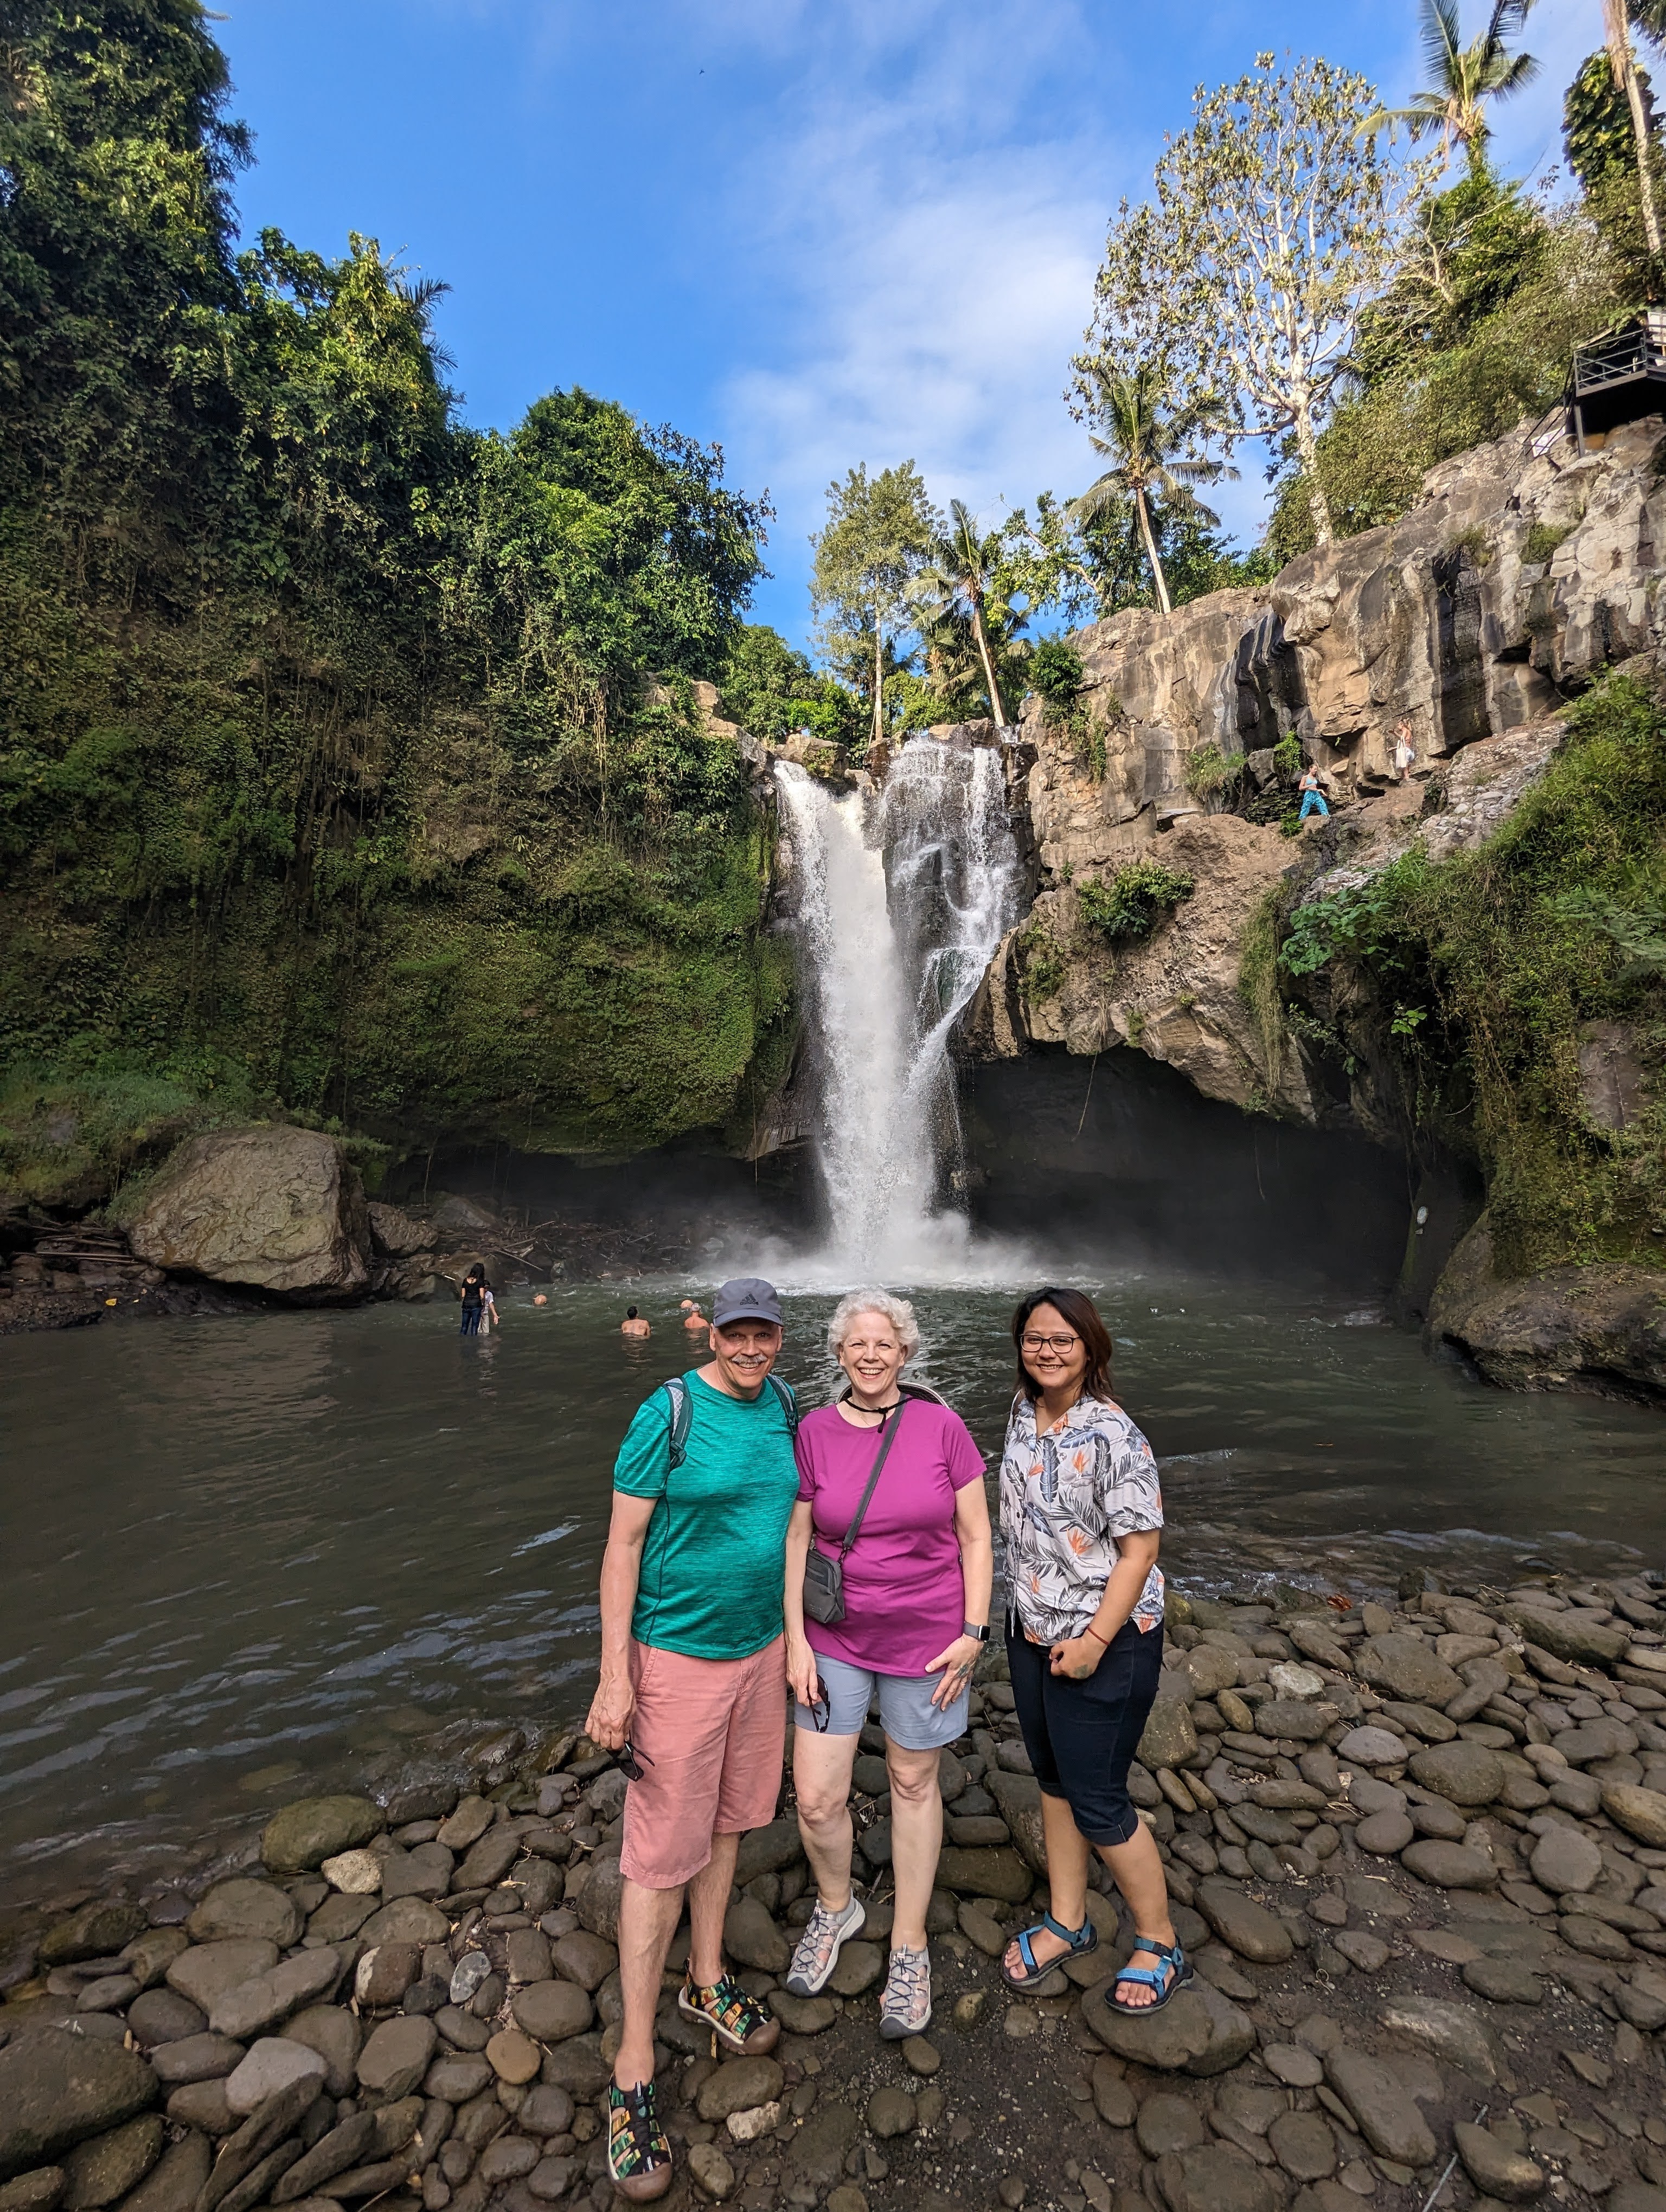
(632, 1324)
(693, 1320)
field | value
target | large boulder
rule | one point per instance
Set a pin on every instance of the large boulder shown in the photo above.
(314, 1829)
(58, 2090)
(275, 1207)
(1599, 1328)
(1404, 1667)
(1197, 2032)
(395, 1233)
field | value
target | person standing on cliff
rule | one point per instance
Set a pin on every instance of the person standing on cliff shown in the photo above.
(1311, 787)
(692, 1687)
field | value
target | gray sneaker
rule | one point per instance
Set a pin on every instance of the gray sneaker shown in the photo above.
(825, 1936)
(906, 2007)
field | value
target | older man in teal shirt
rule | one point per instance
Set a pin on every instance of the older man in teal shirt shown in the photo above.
(693, 1675)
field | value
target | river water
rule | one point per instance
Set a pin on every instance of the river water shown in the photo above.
(245, 1556)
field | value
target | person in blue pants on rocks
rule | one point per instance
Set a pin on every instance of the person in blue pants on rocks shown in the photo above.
(1313, 797)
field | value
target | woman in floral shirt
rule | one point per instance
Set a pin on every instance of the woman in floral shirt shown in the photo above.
(1081, 1512)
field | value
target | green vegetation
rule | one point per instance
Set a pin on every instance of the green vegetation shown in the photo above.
(1542, 541)
(1145, 443)
(1464, 78)
(770, 690)
(351, 769)
(1209, 774)
(1476, 982)
(1042, 961)
(1471, 340)
(879, 532)
(1056, 672)
(1131, 903)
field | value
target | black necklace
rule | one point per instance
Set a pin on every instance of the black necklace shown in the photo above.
(880, 1410)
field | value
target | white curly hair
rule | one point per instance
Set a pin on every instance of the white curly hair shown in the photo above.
(898, 1311)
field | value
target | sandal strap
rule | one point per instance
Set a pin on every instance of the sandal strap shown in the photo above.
(729, 2006)
(633, 2116)
(1173, 1952)
(1026, 1952)
(1073, 1937)
(1156, 1976)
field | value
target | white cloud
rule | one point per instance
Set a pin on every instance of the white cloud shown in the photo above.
(933, 260)
(928, 201)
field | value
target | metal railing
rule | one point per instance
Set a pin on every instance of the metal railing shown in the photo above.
(1639, 350)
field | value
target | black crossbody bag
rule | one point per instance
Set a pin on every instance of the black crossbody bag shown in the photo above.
(823, 1577)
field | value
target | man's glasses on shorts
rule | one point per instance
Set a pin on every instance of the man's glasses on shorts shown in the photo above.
(629, 1759)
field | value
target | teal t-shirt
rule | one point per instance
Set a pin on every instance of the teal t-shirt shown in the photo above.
(714, 1560)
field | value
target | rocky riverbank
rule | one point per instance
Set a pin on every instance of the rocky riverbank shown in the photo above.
(1418, 1855)
(271, 1217)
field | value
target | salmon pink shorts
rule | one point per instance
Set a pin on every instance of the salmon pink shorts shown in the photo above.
(711, 1735)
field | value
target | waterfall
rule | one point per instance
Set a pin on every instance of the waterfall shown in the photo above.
(902, 898)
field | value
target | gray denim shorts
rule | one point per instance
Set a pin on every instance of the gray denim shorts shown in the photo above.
(906, 1712)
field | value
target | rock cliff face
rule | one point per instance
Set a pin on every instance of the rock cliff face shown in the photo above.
(1471, 620)
(1468, 623)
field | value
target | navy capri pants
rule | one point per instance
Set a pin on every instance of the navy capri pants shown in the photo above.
(1081, 1737)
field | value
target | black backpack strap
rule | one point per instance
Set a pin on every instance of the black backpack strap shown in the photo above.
(788, 1398)
(890, 1429)
(682, 1419)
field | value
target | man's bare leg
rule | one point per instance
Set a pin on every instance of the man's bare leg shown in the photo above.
(708, 1901)
(648, 1921)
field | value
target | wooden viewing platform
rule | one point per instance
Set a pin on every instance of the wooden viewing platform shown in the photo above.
(1618, 377)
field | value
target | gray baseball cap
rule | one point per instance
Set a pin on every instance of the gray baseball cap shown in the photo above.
(748, 1298)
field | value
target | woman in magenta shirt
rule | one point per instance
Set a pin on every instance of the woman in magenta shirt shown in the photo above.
(917, 1615)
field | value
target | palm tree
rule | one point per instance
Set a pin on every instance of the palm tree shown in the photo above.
(1463, 78)
(1143, 448)
(958, 581)
(1652, 15)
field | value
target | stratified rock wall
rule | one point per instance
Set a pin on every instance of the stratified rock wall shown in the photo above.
(1439, 621)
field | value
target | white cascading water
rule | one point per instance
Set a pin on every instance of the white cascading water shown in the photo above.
(903, 897)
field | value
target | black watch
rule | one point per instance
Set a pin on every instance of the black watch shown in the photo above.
(980, 1634)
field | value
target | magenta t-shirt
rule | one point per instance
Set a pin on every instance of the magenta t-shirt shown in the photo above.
(904, 1597)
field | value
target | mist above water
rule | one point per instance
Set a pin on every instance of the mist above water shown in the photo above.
(902, 898)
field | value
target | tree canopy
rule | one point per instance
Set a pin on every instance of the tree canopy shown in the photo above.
(350, 767)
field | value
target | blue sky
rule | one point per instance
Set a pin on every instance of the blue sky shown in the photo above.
(860, 230)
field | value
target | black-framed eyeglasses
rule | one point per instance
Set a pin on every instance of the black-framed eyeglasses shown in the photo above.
(820, 1713)
(629, 1759)
(1059, 1343)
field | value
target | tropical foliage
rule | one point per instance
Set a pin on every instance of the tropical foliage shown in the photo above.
(350, 768)
(1148, 448)
(1276, 219)
(1463, 79)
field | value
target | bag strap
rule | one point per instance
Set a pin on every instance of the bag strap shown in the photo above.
(676, 1390)
(682, 1421)
(786, 1397)
(884, 1454)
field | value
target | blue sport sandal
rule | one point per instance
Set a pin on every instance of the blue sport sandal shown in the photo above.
(1081, 1940)
(1171, 1975)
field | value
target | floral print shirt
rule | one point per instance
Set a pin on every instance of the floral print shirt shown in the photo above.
(1065, 1500)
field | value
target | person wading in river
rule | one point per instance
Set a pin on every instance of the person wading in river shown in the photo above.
(632, 1324)
(1081, 1511)
(693, 1673)
(479, 1308)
